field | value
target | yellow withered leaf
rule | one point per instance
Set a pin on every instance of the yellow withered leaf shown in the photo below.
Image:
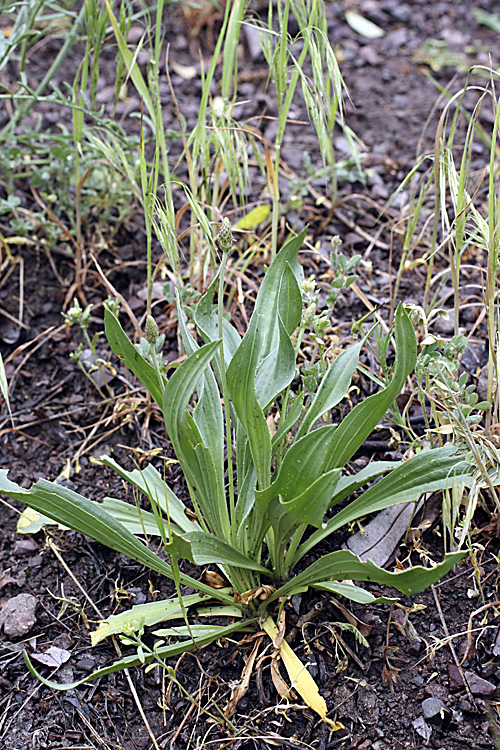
(300, 678)
(254, 217)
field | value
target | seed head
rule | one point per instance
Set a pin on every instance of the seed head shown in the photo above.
(224, 239)
(152, 331)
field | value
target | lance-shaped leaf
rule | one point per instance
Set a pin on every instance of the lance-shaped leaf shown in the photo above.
(290, 300)
(305, 461)
(342, 565)
(207, 549)
(144, 616)
(332, 389)
(428, 471)
(204, 478)
(276, 371)
(352, 592)
(162, 652)
(272, 301)
(241, 376)
(207, 323)
(356, 427)
(351, 483)
(150, 482)
(309, 507)
(89, 518)
(198, 631)
(138, 521)
(124, 349)
(288, 422)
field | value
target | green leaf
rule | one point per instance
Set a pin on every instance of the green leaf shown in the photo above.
(350, 483)
(356, 427)
(205, 477)
(304, 462)
(209, 549)
(428, 471)
(290, 300)
(198, 631)
(138, 521)
(309, 507)
(352, 592)
(164, 652)
(288, 422)
(208, 412)
(332, 389)
(276, 371)
(144, 616)
(207, 323)
(343, 565)
(270, 298)
(241, 375)
(262, 337)
(89, 518)
(150, 482)
(122, 346)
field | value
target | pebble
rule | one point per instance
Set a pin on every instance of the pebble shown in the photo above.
(433, 708)
(478, 686)
(23, 547)
(87, 663)
(18, 615)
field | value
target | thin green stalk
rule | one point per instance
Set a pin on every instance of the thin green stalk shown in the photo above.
(493, 257)
(22, 112)
(225, 396)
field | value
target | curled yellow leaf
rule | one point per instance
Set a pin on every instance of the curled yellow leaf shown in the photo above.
(300, 678)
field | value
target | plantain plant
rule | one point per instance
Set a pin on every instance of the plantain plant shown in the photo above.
(259, 503)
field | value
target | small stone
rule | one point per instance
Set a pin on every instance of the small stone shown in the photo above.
(422, 728)
(464, 705)
(418, 680)
(432, 707)
(86, 663)
(25, 547)
(478, 686)
(18, 615)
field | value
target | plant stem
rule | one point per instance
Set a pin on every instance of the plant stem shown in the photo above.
(225, 396)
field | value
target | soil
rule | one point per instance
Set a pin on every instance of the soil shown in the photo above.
(403, 689)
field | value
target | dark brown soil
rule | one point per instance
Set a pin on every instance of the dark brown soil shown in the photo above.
(381, 692)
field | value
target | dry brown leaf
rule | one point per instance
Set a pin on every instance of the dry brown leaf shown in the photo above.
(240, 688)
(363, 628)
(262, 593)
(214, 580)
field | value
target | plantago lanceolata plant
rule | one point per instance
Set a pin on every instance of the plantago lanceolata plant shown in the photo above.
(263, 511)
